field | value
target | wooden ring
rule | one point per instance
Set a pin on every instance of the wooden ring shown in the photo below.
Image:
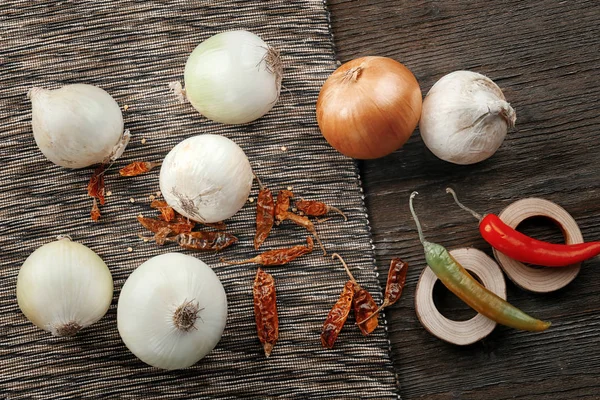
(459, 332)
(539, 280)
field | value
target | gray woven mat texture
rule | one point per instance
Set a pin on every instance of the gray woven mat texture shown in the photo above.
(133, 50)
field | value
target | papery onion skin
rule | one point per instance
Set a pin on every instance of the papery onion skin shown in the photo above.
(77, 125)
(64, 283)
(206, 178)
(149, 299)
(465, 118)
(369, 107)
(233, 77)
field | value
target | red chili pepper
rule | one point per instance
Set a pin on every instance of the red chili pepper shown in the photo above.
(526, 249)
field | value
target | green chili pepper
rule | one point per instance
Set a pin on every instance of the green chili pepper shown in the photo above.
(462, 284)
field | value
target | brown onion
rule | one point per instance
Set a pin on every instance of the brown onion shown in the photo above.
(369, 107)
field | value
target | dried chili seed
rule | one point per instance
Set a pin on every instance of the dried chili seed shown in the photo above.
(205, 241)
(265, 310)
(317, 208)
(176, 227)
(337, 316)
(95, 213)
(279, 256)
(283, 204)
(96, 185)
(306, 224)
(365, 308)
(166, 211)
(395, 283)
(137, 168)
(265, 216)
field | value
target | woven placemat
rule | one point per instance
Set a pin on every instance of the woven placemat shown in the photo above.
(134, 49)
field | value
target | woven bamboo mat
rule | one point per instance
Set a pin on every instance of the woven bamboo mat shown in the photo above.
(134, 49)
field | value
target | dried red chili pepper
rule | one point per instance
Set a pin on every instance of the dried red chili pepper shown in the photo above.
(154, 225)
(526, 249)
(283, 205)
(204, 240)
(96, 185)
(265, 310)
(166, 211)
(279, 256)
(95, 213)
(365, 308)
(305, 223)
(316, 208)
(395, 284)
(395, 281)
(265, 216)
(337, 316)
(137, 168)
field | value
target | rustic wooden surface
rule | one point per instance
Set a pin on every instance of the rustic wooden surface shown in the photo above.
(545, 55)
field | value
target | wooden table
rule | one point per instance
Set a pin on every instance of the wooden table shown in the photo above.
(545, 55)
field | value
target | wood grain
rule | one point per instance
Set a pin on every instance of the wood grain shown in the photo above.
(545, 55)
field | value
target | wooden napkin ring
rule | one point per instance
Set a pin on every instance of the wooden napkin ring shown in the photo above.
(459, 332)
(539, 280)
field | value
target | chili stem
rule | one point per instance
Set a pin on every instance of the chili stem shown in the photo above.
(336, 255)
(248, 261)
(260, 185)
(414, 215)
(461, 205)
(314, 233)
(337, 210)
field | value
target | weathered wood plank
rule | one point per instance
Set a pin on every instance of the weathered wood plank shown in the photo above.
(546, 56)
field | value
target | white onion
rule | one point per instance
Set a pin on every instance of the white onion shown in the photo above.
(233, 77)
(64, 286)
(465, 118)
(77, 125)
(172, 311)
(206, 178)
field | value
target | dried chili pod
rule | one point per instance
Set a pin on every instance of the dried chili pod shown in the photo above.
(137, 168)
(277, 257)
(95, 213)
(154, 225)
(283, 205)
(204, 240)
(316, 208)
(265, 310)
(337, 316)
(306, 224)
(395, 283)
(265, 216)
(96, 184)
(166, 211)
(365, 308)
